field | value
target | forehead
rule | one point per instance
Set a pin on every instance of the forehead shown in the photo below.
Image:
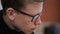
(34, 2)
(33, 8)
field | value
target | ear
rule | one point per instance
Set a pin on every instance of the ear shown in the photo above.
(10, 13)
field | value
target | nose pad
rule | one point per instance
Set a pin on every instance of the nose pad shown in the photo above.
(38, 21)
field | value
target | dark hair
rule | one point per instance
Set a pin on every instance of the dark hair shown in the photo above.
(16, 3)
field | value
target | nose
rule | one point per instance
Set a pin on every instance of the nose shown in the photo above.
(38, 21)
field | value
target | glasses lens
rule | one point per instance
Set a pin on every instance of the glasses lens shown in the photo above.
(35, 18)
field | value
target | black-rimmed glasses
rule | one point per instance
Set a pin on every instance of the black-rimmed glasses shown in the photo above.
(34, 18)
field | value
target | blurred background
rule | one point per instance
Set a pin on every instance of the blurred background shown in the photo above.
(50, 18)
(51, 12)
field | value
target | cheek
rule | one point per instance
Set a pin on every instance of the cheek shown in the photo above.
(23, 23)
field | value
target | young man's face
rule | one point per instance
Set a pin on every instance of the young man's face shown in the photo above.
(27, 23)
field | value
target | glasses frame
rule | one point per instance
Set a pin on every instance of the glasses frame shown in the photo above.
(33, 17)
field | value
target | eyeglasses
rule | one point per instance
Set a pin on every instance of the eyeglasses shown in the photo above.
(34, 18)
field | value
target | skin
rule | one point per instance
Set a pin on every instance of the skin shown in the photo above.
(23, 22)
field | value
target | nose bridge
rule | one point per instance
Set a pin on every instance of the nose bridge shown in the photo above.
(38, 21)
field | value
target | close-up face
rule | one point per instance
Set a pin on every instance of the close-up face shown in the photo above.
(27, 23)
(28, 18)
